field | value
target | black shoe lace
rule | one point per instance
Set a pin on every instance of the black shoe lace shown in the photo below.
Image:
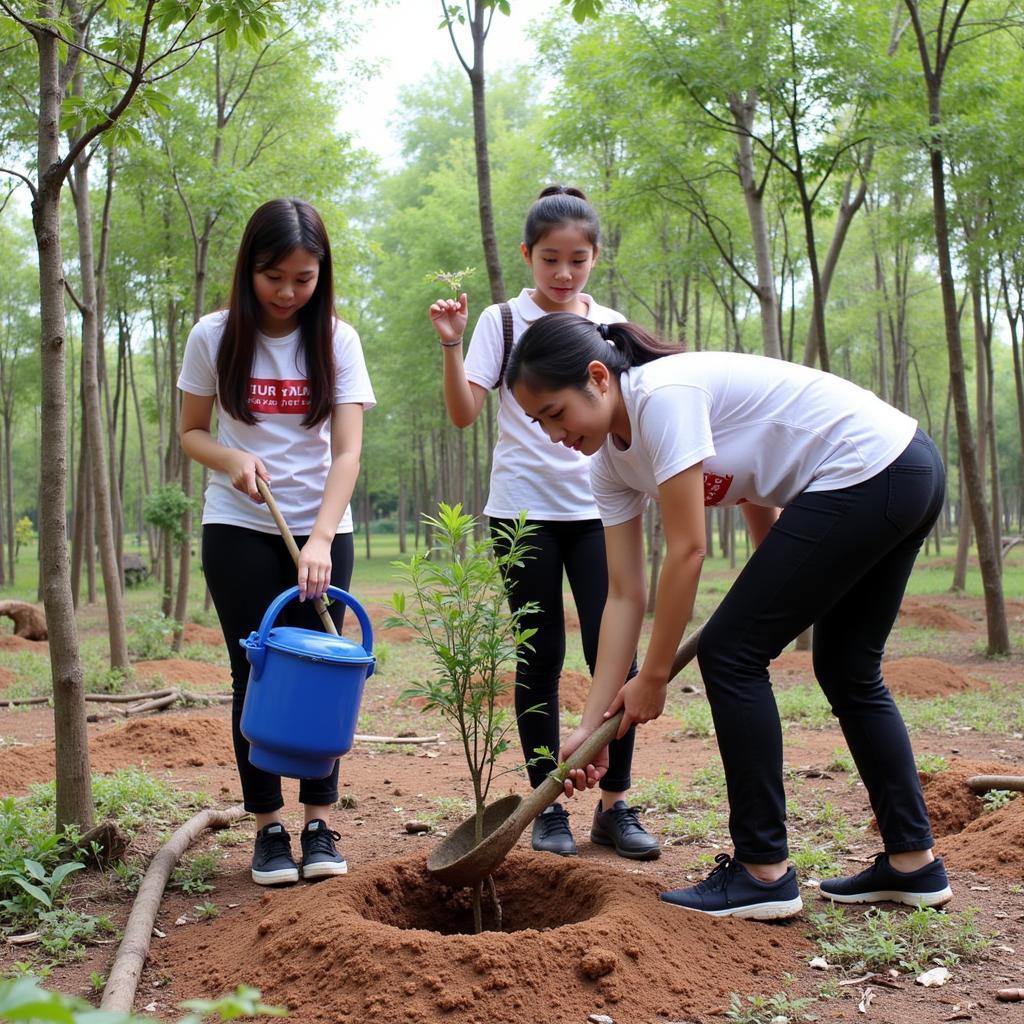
(321, 841)
(554, 823)
(720, 876)
(276, 844)
(628, 820)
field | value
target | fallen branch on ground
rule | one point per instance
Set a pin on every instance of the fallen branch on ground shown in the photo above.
(23, 700)
(983, 783)
(119, 992)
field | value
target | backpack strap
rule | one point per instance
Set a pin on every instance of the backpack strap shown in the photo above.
(506, 333)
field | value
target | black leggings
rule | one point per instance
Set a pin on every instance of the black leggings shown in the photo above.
(245, 570)
(839, 560)
(577, 547)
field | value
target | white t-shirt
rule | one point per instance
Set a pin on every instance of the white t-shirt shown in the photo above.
(297, 457)
(766, 431)
(528, 471)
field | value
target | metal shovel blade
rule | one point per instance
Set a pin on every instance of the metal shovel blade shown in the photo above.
(458, 860)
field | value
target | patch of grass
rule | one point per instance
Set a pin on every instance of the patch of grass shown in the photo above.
(132, 798)
(695, 719)
(805, 706)
(769, 1009)
(207, 910)
(571, 719)
(931, 764)
(910, 941)
(661, 795)
(238, 836)
(64, 933)
(104, 680)
(448, 808)
(815, 860)
(31, 674)
(841, 761)
(209, 655)
(708, 784)
(999, 711)
(683, 828)
(193, 876)
(150, 636)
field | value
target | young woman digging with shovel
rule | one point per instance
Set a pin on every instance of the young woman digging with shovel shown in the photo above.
(290, 387)
(839, 491)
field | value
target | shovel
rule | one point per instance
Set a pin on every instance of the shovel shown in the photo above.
(319, 604)
(459, 861)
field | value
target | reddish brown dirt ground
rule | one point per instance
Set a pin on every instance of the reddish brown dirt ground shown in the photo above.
(587, 936)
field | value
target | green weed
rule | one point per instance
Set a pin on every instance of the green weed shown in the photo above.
(64, 933)
(999, 711)
(931, 764)
(695, 718)
(193, 875)
(682, 828)
(661, 795)
(768, 1009)
(815, 860)
(150, 636)
(805, 706)
(207, 910)
(841, 761)
(995, 799)
(910, 941)
(448, 808)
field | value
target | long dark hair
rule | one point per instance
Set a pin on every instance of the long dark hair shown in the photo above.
(275, 230)
(556, 350)
(556, 206)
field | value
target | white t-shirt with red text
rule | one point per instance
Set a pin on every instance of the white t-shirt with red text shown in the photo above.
(527, 471)
(766, 431)
(297, 457)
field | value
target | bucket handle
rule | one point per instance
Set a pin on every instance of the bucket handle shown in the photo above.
(337, 593)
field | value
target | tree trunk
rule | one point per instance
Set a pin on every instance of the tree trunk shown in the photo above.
(97, 449)
(743, 109)
(481, 15)
(73, 793)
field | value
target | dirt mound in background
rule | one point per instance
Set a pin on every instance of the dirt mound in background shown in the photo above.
(991, 845)
(793, 665)
(172, 741)
(175, 741)
(916, 611)
(196, 634)
(926, 677)
(952, 804)
(10, 642)
(178, 670)
(573, 689)
(383, 944)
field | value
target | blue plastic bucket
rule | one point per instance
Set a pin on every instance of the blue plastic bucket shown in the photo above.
(305, 686)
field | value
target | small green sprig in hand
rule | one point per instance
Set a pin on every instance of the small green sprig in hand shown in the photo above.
(451, 278)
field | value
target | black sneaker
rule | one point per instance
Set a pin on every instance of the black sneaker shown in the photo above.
(551, 832)
(731, 891)
(926, 887)
(272, 862)
(320, 857)
(620, 827)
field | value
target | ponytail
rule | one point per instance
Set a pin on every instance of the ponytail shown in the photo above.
(556, 351)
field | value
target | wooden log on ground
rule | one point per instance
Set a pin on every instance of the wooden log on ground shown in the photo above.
(126, 698)
(983, 783)
(119, 992)
(361, 738)
(24, 701)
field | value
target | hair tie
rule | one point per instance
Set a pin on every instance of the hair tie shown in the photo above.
(603, 331)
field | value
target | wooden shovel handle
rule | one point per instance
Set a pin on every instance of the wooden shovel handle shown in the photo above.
(293, 548)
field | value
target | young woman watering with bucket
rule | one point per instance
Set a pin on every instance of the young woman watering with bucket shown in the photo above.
(560, 246)
(839, 491)
(290, 386)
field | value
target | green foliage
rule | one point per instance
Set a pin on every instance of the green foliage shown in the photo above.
(165, 508)
(690, 829)
(768, 1009)
(910, 941)
(193, 875)
(24, 533)
(931, 764)
(451, 279)
(38, 888)
(996, 799)
(64, 932)
(841, 761)
(22, 999)
(457, 608)
(661, 795)
(207, 910)
(150, 636)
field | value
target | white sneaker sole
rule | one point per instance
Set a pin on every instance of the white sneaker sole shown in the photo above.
(324, 870)
(759, 912)
(283, 876)
(911, 899)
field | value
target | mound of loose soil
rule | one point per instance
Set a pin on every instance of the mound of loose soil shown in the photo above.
(991, 844)
(10, 642)
(918, 612)
(386, 944)
(178, 670)
(952, 804)
(175, 741)
(171, 741)
(573, 689)
(926, 677)
(792, 665)
(196, 634)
